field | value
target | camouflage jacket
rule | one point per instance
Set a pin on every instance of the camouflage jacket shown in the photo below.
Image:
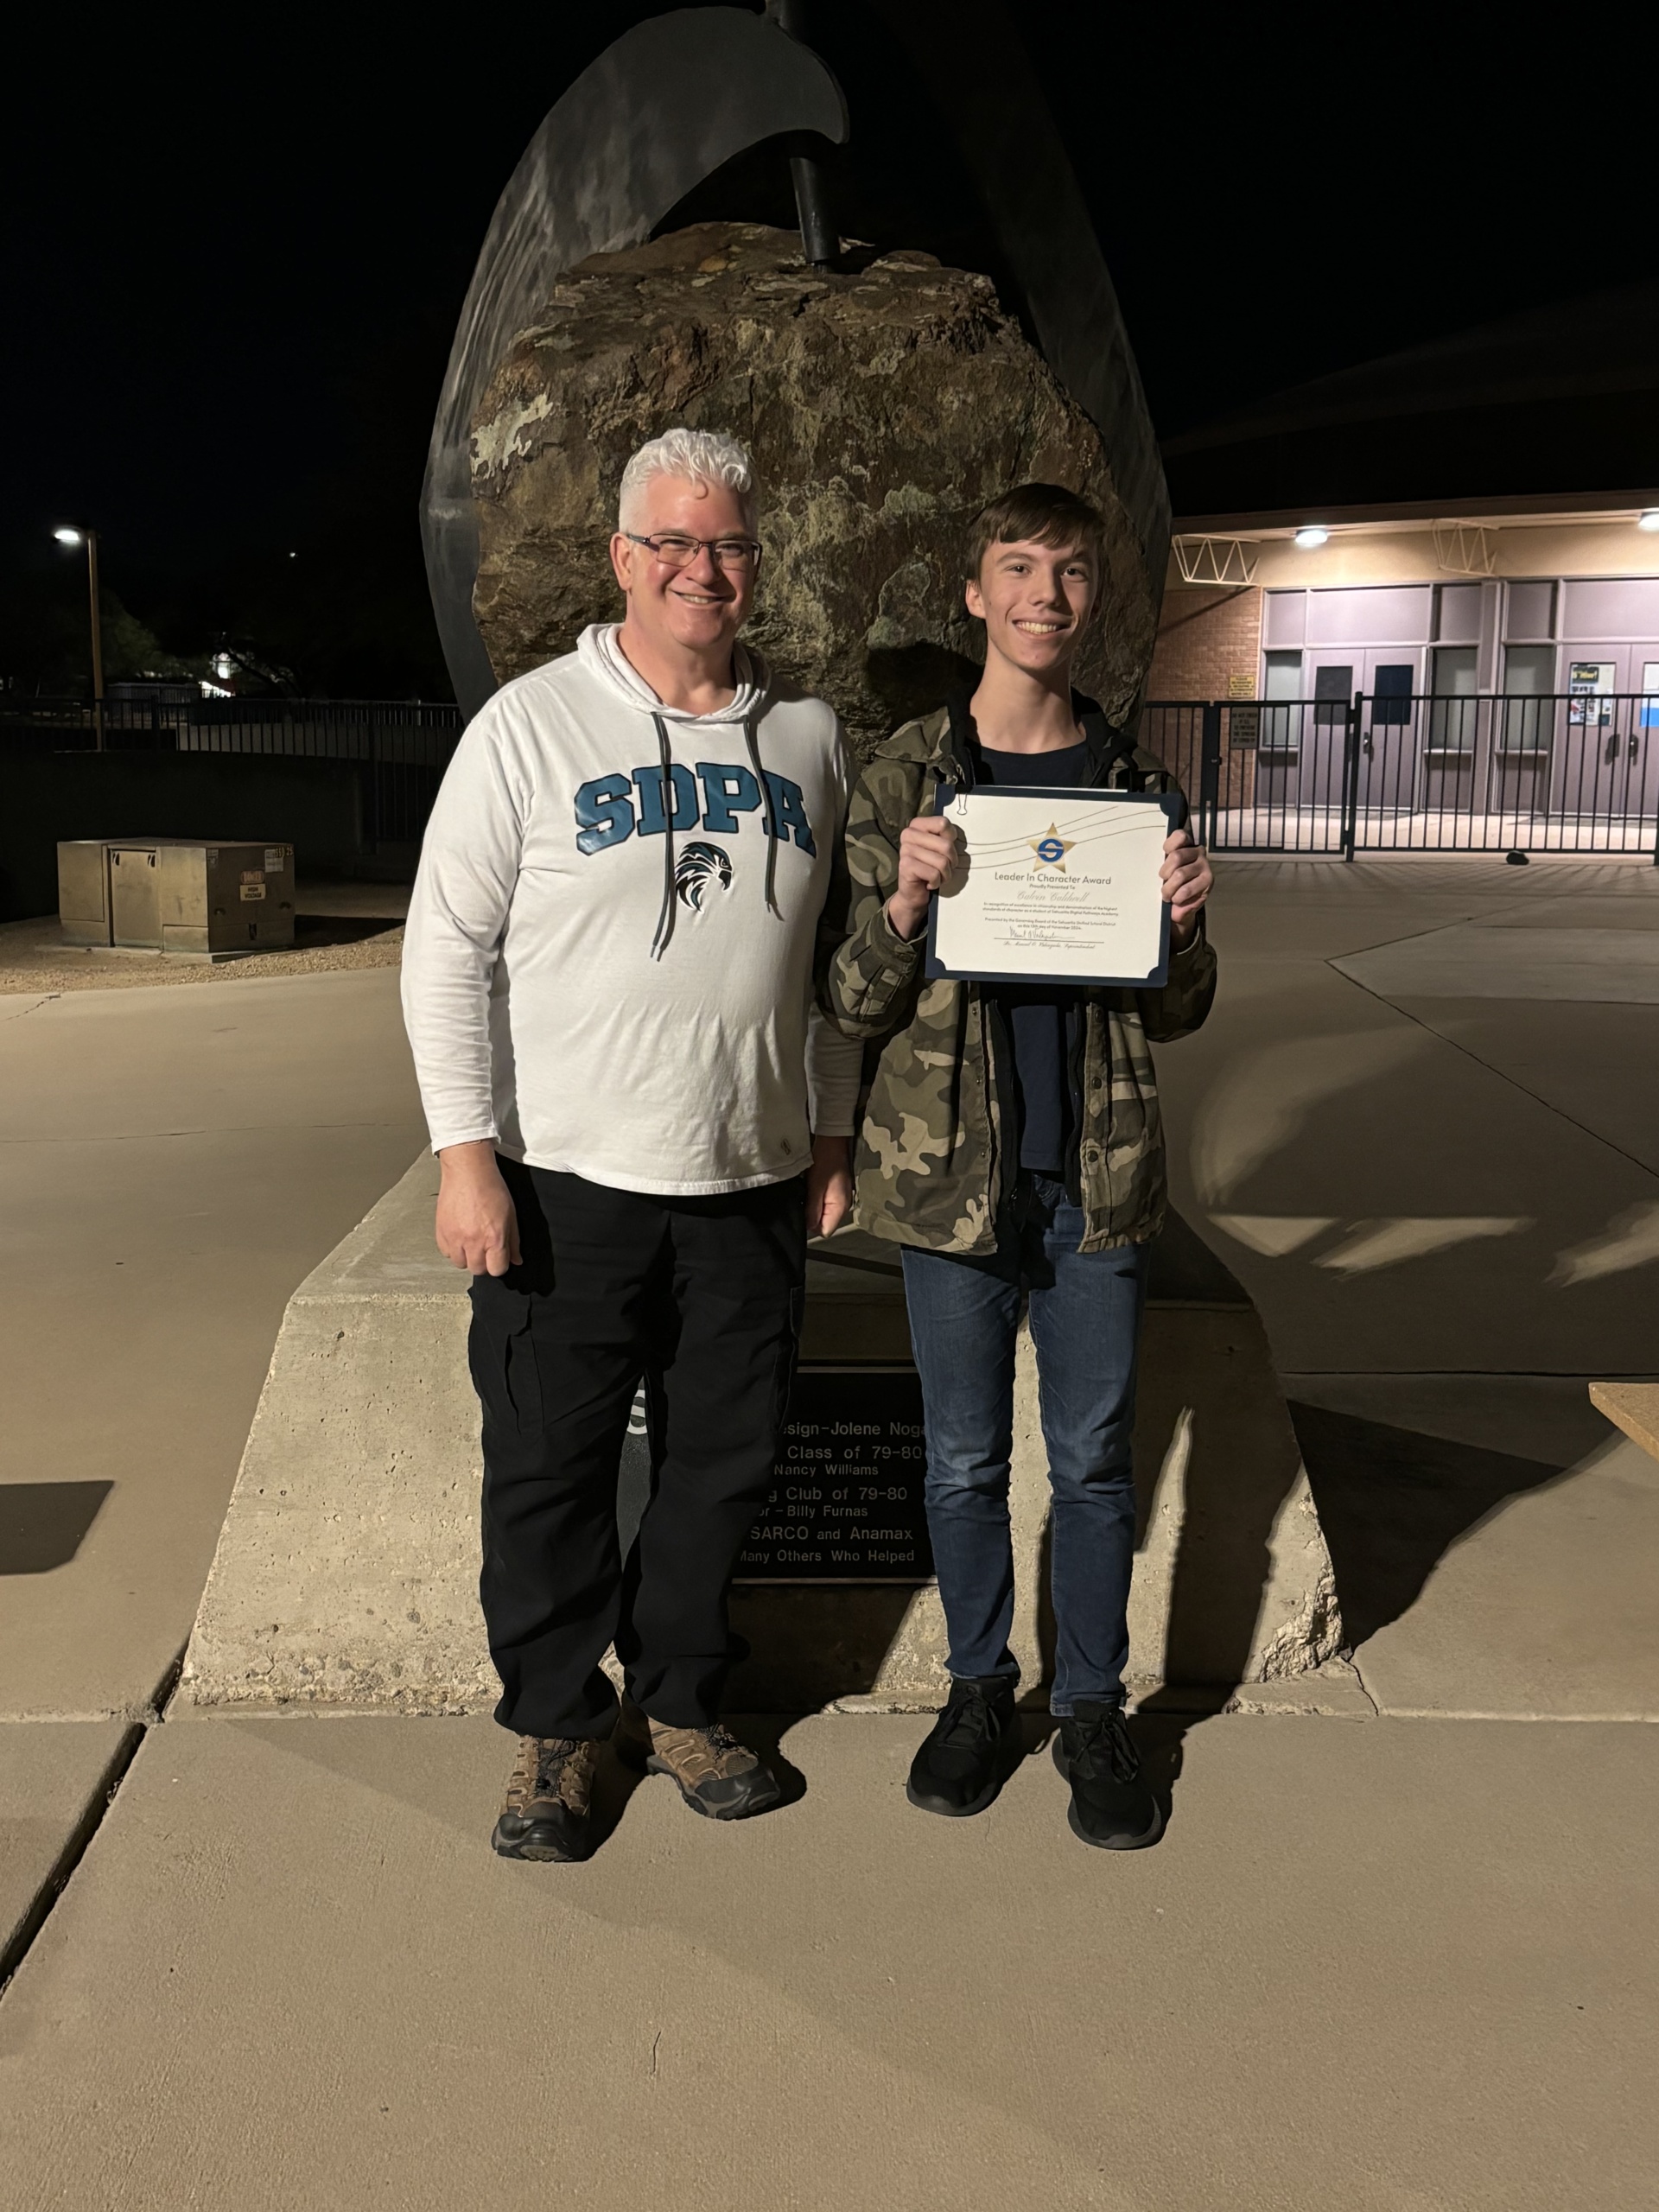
(932, 1154)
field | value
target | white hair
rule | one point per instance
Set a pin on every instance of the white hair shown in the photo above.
(695, 457)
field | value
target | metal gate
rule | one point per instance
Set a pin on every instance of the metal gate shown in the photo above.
(1392, 772)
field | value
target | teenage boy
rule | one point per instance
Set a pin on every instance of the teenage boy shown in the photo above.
(607, 984)
(1011, 1146)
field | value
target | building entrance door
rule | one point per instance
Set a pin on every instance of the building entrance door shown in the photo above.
(1390, 676)
(1388, 734)
(1600, 749)
(1332, 682)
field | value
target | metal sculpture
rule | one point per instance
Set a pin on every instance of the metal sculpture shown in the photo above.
(658, 111)
(662, 109)
(1007, 139)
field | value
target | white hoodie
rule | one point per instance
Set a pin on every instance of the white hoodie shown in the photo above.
(596, 987)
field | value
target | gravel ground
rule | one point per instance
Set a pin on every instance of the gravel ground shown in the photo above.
(336, 925)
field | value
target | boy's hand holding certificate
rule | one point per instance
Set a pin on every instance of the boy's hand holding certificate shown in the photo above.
(1054, 885)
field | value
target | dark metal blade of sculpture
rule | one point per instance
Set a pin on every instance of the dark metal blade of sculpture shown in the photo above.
(1007, 137)
(656, 113)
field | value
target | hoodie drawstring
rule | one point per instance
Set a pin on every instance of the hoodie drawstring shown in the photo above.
(670, 807)
(659, 944)
(769, 823)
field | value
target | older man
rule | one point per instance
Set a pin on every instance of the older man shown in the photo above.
(607, 982)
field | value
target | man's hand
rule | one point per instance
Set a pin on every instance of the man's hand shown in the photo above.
(828, 1186)
(929, 851)
(1187, 884)
(477, 1227)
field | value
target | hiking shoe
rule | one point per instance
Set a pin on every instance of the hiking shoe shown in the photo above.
(549, 1800)
(971, 1751)
(1112, 1803)
(715, 1775)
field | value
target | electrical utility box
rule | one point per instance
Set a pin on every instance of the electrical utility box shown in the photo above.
(84, 890)
(205, 900)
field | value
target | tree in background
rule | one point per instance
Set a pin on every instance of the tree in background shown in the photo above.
(45, 649)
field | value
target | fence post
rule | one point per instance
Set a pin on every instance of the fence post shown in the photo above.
(1209, 772)
(1350, 778)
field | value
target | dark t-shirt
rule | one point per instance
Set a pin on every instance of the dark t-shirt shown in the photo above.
(1041, 1021)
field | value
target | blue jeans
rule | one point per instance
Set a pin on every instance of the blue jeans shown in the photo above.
(1086, 1323)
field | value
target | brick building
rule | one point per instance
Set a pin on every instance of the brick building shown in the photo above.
(1536, 598)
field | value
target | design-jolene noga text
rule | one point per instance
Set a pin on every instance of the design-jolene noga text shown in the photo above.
(607, 813)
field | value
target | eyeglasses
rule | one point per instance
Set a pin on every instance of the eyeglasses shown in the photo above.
(675, 551)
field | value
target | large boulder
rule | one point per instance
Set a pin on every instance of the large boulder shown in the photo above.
(884, 407)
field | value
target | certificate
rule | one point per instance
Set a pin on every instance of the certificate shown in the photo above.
(1058, 887)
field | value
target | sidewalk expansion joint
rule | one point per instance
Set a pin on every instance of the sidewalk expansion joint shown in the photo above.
(74, 1850)
(78, 1841)
(1503, 1074)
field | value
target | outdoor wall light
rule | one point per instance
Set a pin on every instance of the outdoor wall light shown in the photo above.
(1648, 519)
(1311, 535)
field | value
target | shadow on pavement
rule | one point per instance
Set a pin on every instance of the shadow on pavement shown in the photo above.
(43, 1525)
(1393, 1502)
(763, 1733)
(311, 930)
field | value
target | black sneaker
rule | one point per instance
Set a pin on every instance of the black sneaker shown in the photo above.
(971, 1751)
(1112, 1803)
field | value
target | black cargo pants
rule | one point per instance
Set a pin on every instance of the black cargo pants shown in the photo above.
(703, 1297)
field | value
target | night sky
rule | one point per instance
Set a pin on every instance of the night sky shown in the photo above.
(235, 259)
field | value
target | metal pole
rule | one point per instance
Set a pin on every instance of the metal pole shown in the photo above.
(1209, 772)
(1350, 777)
(97, 638)
(812, 211)
(819, 240)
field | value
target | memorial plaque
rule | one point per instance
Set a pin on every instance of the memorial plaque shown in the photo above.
(845, 1505)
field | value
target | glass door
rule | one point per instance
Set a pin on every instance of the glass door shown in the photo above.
(1452, 740)
(1526, 731)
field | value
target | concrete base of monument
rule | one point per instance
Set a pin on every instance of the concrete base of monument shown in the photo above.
(346, 1575)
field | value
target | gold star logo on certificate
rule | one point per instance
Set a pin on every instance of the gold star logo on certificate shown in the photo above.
(1051, 849)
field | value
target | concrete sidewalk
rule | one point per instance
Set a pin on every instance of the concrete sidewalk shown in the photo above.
(1403, 1964)
(1380, 1964)
(172, 1163)
(1439, 1183)
(1411, 1182)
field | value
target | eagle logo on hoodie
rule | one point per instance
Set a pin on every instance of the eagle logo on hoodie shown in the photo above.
(696, 868)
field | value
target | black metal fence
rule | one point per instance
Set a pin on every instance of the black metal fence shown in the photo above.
(401, 746)
(1563, 773)
(1576, 773)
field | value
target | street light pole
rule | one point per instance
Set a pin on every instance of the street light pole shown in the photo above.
(97, 637)
(89, 538)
